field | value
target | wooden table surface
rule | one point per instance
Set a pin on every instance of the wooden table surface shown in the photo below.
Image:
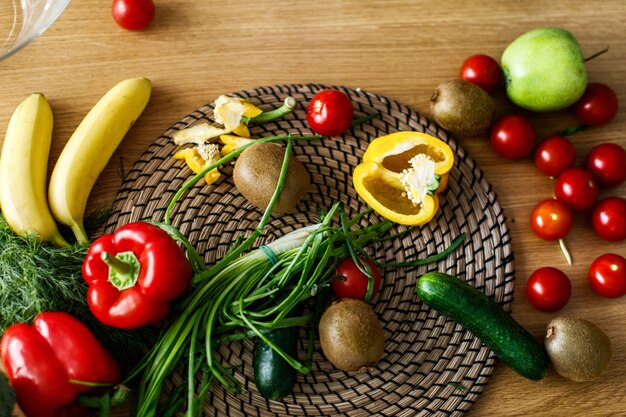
(196, 50)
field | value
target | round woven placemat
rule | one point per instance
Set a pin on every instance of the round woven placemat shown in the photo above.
(431, 365)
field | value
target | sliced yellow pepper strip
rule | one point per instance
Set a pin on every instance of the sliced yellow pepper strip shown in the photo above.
(200, 157)
(250, 110)
(401, 175)
(197, 134)
(232, 142)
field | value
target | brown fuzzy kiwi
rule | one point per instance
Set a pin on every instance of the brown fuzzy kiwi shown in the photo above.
(577, 348)
(351, 335)
(256, 174)
(462, 108)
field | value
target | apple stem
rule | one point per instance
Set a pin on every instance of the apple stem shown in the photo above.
(597, 54)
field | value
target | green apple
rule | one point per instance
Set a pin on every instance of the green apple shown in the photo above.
(544, 70)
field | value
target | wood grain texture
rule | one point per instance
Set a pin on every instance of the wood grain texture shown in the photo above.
(196, 50)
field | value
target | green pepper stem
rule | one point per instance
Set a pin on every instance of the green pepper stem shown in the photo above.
(123, 269)
(117, 264)
(267, 116)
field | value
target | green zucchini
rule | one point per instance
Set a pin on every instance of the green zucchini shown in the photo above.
(485, 319)
(274, 376)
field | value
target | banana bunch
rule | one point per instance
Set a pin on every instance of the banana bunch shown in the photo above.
(24, 161)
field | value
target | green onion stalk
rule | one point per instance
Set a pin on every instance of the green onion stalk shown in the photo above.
(249, 294)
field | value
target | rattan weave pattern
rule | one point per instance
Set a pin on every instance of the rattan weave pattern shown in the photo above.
(431, 366)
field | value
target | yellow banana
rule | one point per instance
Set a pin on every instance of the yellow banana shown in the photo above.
(89, 149)
(23, 171)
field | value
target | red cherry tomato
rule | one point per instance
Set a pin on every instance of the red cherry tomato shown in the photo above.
(133, 14)
(483, 71)
(330, 113)
(548, 289)
(577, 188)
(354, 282)
(597, 106)
(607, 163)
(554, 155)
(607, 275)
(608, 219)
(551, 219)
(513, 137)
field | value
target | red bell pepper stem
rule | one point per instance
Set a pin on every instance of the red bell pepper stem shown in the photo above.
(123, 269)
(118, 265)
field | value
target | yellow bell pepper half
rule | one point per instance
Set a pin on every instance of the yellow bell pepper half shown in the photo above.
(401, 175)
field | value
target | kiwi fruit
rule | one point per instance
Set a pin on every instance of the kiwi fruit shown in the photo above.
(256, 174)
(462, 108)
(577, 348)
(351, 336)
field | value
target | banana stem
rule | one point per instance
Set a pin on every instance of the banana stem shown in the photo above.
(58, 240)
(79, 232)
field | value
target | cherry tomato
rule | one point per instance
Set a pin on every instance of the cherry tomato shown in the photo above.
(513, 137)
(608, 219)
(607, 163)
(607, 275)
(133, 14)
(483, 71)
(548, 289)
(354, 282)
(330, 113)
(577, 188)
(551, 219)
(597, 106)
(554, 155)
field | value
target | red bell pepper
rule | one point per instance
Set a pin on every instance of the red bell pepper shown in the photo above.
(49, 363)
(134, 274)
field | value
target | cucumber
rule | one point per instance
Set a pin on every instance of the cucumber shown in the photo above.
(485, 319)
(274, 377)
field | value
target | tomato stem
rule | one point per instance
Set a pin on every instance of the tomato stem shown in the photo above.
(571, 130)
(364, 119)
(565, 251)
